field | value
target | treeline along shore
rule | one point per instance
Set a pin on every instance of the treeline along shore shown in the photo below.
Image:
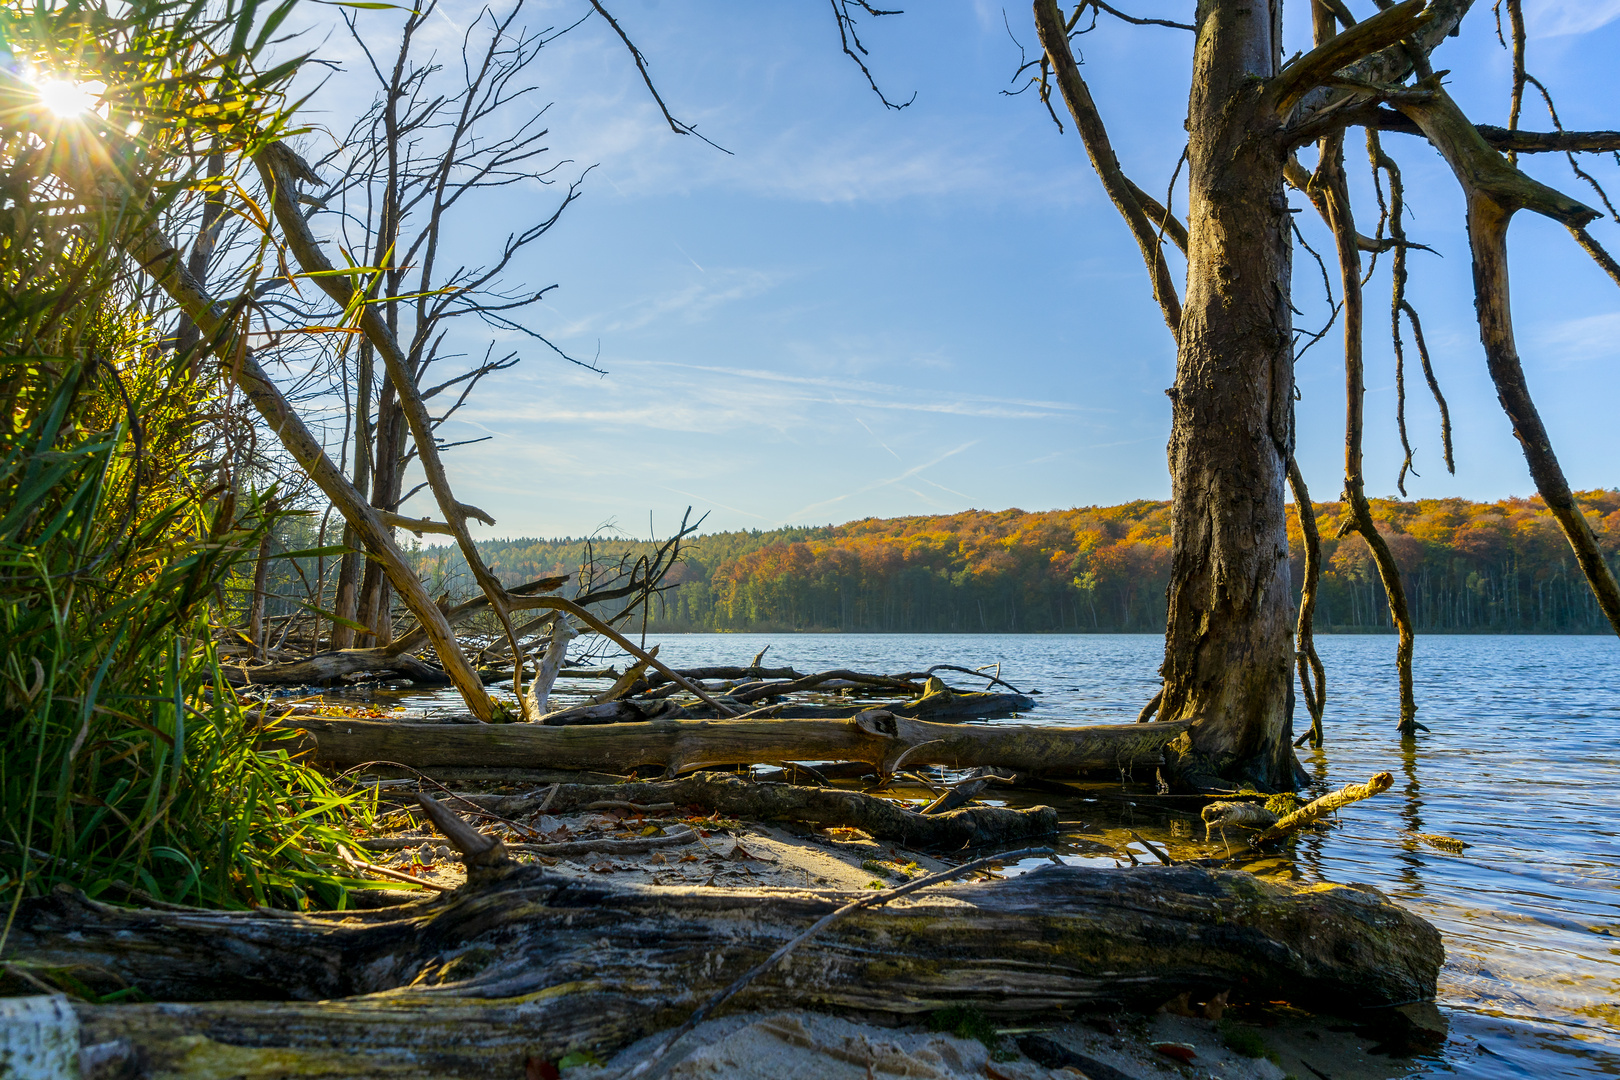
(1468, 567)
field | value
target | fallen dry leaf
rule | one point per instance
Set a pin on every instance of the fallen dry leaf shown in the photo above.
(1182, 1052)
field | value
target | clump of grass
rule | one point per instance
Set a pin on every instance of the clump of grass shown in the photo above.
(127, 766)
(1245, 1041)
(127, 508)
(966, 1022)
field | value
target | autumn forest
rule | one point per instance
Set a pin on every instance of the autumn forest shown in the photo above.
(1493, 567)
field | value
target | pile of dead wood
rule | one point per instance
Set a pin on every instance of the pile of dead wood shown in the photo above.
(520, 967)
(641, 693)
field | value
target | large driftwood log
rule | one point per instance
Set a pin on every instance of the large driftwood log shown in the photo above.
(878, 737)
(521, 964)
(326, 668)
(732, 796)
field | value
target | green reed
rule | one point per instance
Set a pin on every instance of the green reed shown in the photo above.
(128, 768)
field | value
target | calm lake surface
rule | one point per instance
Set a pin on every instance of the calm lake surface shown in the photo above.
(1520, 764)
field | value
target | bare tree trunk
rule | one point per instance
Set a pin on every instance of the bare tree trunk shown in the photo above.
(348, 604)
(1312, 676)
(376, 601)
(879, 737)
(562, 632)
(1228, 643)
(1334, 187)
(261, 570)
(187, 336)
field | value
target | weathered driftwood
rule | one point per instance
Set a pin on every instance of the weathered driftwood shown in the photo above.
(1237, 814)
(938, 707)
(879, 737)
(326, 668)
(732, 796)
(1317, 809)
(841, 678)
(521, 964)
(1248, 815)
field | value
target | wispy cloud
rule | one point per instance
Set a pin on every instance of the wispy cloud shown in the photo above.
(804, 512)
(1590, 337)
(714, 502)
(877, 395)
(1550, 18)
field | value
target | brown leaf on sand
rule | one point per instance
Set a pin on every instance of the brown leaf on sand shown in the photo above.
(1180, 1051)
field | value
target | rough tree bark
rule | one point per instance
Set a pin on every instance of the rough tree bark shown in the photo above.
(1229, 640)
(522, 965)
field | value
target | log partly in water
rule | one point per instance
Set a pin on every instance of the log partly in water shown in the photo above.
(876, 736)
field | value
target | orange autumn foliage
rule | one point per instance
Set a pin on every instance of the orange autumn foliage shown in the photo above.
(1493, 567)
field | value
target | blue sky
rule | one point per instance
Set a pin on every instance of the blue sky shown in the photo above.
(867, 312)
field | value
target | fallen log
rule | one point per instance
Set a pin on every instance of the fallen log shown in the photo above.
(939, 708)
(521, 965)
(325, 668)
(658, 678)
(840, 678)
(731, 796)
(678, 746)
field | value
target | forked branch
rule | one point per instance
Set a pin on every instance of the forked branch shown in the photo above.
(1316, 67)
(1494, 191)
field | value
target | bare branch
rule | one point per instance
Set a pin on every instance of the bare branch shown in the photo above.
(1594, 249)
(1481, 170)
(1137, 20)
(1311, 70)
(1495, 191)
(163, 262)
(677, 126)
(1054, 39)
(847, 36)
(1312, 675)
(1546, 142)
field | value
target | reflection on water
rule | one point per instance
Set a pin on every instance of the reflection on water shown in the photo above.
(1519, 765)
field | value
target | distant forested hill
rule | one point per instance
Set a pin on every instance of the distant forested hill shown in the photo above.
(1500, 567)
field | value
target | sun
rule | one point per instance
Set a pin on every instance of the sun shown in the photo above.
(66, 98)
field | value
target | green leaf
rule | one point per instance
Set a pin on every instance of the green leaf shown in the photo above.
(314, 552)
(335, 617)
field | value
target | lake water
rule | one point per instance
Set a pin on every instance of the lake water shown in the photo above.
(1519, 764)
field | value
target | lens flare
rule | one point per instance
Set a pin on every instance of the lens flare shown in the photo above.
(65, 98)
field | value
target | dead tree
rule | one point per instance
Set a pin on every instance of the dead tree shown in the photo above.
(420, 151)
(1229, 651)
